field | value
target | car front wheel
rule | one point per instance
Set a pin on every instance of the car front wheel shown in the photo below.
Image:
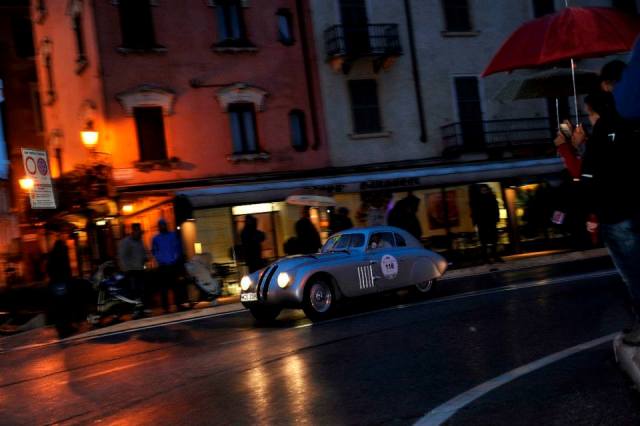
(319, 300)
(265, 313)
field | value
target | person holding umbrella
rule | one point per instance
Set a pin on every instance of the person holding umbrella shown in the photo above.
(606, 172)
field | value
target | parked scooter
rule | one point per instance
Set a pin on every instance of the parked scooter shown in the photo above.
(114, 294)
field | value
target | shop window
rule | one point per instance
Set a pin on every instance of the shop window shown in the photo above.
(22, 37)
(231, 26)
(136, 24)
(364, 106)
(298, 130)
(543, 7)
(285, 27)
(456, 13)
(243, 128)
(628, 6)
(150, 131)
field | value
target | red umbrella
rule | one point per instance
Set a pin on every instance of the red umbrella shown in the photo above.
(571, 33)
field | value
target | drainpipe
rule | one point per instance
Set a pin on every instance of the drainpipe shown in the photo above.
(415, 70)
(308, 71)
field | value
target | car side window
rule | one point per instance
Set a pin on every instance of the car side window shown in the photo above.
(357, 240)
(400, 242)
(342, 243)
(331, 242)
(381, 240)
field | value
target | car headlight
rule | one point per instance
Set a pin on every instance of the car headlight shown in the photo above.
(283, 279)
(245, 283)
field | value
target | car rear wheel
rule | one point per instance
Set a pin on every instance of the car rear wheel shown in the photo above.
(424, 288)
(319, 300)
(265, 313)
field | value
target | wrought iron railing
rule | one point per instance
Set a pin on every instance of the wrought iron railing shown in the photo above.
(365, 40)
(504, 133)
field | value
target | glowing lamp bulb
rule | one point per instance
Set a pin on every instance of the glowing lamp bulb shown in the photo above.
(26, 184)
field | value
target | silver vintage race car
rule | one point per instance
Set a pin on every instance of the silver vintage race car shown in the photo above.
(356, 262)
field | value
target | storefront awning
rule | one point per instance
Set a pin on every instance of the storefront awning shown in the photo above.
(254, 192)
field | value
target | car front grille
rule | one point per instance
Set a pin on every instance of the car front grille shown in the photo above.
(263, 282)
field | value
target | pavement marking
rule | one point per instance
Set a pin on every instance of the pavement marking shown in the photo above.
(443, 412)
(470, 294)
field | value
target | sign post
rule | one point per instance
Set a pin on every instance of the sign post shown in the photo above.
(36, 167)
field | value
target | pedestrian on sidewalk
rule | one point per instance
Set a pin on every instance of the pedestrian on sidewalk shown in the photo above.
(132, 257)
(607, 173)
(307, 235)
(167, 250)
(59, 271)
(486, 215)
(252, 239)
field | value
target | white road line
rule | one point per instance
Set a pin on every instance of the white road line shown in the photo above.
(443, 412)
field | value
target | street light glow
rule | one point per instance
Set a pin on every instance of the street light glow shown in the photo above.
(26, 184)
(127, 208)
(89, 138)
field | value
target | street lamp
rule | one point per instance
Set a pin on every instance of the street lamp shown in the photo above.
(89, 135)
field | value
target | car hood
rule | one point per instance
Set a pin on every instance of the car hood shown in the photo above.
(291, 262)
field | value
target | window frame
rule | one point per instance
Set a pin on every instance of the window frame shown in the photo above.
(142, 148)
(447, 8)
(358, 129)
(242, 146)
(303, 144)
(286, 15)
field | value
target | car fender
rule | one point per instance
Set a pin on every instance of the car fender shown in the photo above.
(424, 268)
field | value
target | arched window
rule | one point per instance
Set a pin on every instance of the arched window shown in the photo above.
(298, 129)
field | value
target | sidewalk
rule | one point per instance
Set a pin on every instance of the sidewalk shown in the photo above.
(46, 335)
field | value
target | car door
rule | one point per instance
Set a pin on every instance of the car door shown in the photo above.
(353, 272)
(406, 258)
(382, 260)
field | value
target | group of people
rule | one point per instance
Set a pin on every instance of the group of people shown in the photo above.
(603, 163)
(166, 248)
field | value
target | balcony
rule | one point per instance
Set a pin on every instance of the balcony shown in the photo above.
(345, 44)
(520, 136)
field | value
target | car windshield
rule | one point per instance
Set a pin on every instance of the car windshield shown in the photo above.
(343, 242)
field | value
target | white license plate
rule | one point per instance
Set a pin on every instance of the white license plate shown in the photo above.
(248, 297)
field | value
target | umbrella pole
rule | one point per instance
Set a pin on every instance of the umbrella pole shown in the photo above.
(558, 113)
(575, 92)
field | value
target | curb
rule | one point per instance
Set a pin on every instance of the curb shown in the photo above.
(526, 263)
(628, 358)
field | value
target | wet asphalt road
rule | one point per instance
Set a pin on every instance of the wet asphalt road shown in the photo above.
(388, 360)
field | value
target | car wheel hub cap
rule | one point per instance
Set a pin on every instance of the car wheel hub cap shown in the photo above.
(320, 298)
(425, 286)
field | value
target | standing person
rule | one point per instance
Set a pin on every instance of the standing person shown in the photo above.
(607, 171)
(132, 257)
(485, 215)
(59, 271)
(167, 251)
(340, 221)
(252, 238)
(403, 215)
(307, 234)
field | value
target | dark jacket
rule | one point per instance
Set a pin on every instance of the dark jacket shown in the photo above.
(308, 236)
(610, 170)
(58, 263)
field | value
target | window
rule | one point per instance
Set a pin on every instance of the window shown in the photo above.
(37, 107)
(298, 130)
(381, 240)
(150, 132)
(364, 106)
(231, 29)
(285, 27)
(22, 37)
(243, 128)
(543, 7)
(136, 24)
(456, 13)
(76, 24)
(400, 242)
(470, 112)
(628, 6)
